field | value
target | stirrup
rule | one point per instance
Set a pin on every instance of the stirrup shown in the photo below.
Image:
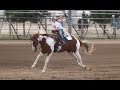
(61, 43)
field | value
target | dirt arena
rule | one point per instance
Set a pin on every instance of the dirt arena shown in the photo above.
(16, 58)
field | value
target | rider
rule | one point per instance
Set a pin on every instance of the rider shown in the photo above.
(57, 26)
(114, 22)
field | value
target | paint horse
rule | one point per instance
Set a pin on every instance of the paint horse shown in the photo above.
(50, 45)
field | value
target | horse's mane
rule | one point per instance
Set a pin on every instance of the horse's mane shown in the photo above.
(48, 35)
(37, 35)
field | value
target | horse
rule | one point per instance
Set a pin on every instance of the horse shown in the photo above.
(49, 45)
(85, 24)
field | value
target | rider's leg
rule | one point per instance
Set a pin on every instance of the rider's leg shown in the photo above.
(118, 26)
(60, 32)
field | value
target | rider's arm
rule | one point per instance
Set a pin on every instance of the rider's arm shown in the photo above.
(55, 28)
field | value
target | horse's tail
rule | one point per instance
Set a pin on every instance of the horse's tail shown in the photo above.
(88, 49)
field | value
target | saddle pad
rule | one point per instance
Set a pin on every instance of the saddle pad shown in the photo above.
(68, 36)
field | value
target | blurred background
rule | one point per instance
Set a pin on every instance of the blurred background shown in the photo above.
(88, 24)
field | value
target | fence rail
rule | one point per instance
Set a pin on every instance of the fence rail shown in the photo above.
(18, 30)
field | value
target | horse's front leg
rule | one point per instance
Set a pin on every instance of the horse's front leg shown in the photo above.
(46, 61)
(79, 59)
(40, 54)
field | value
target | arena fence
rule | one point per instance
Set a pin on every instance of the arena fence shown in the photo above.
(17, 30)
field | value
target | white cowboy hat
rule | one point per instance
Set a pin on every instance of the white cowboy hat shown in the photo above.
(54, 18)
(113, 15)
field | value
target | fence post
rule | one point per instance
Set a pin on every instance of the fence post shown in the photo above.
(1, 22)
(46, 24)
(70, 21)
(9, 27)
(82, 30)
(17, 26)
(114, 32)
(23, 28)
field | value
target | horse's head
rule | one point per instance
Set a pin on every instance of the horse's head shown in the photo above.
(34, 41)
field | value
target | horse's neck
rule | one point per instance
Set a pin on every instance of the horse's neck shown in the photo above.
(47, 35)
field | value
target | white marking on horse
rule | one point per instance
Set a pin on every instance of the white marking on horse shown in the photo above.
(50, 41)
(40, 38)
(46, 61)
(59, 48)
(33, 48)
(34, 64)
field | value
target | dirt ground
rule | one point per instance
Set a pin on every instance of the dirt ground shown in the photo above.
(16, 58)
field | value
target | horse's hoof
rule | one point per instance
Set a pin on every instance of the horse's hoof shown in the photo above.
(88, 69)
(85, 68)
(43, 71)
(32, 66)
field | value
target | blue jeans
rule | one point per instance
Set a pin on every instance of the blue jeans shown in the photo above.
(116, 24)
(60, 32)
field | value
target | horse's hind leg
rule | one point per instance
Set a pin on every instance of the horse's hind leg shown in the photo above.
(46, 62)
(40, 54)
(73, 54)
(79, 59)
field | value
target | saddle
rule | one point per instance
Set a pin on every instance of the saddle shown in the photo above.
(56, 37)
(58, 40)
(67, 36)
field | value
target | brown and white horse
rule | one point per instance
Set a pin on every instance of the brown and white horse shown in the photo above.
(49, 46)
